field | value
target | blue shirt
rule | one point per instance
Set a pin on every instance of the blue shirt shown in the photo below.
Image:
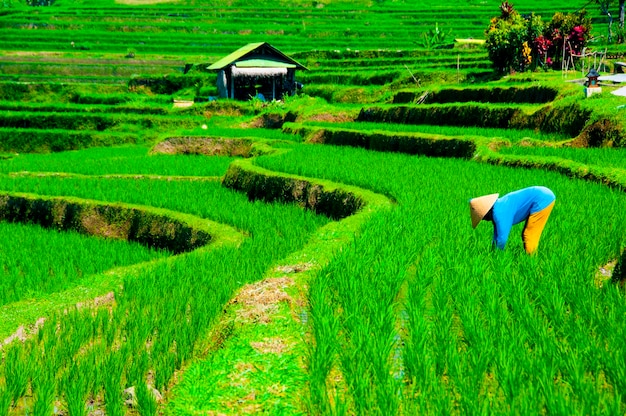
(516, 207)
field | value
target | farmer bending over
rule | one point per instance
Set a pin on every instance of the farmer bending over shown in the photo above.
(532, 205)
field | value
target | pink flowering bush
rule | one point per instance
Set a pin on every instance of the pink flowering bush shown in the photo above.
(517, 43)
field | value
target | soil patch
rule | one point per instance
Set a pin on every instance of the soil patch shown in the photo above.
(208, 146)
(272, 120)
(22, 333)
(260, 300)
(332, 118)
(605, 273)
(295, 268)
(182, 103)
(271, 346)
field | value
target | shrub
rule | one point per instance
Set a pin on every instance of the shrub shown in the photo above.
(517, 43)
(504, 39)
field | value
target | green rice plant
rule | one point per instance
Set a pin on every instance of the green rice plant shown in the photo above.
(514, 135)
(75, 388)
(606, 157)
(322, 352)
(44, 387)
(165, 368)
(17, 373)
(126, 160)
(56, 140)
(113, 386)
(146, 403)
(5, 400)
(543, 314)
(197, 286)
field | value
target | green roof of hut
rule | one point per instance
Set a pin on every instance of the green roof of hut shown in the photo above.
(257, 55)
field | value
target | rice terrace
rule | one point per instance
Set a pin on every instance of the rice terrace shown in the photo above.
(233, 208)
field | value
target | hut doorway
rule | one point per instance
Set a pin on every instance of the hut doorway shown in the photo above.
(264, 83)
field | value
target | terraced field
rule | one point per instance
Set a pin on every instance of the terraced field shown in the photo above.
(308, 256)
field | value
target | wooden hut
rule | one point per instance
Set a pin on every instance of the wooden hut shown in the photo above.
(256, 70)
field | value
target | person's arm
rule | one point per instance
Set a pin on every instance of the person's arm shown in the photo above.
(501, 231)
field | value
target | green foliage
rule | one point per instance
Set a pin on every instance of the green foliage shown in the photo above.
(413, 314)
(44, 387)
(484, 133)
(434, 38)
(16, 370)
(604, 132)
(146, 403)
(561, 118)
(476, 291)
(5, 400)
(76, 391)
(605, 157)
(449, 114)
(37, 273)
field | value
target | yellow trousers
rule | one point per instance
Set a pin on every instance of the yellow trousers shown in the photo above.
(534, 227)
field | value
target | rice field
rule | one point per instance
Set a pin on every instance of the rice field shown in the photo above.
(30, 273)
(128, 160)
(419, 315)
(395, 306)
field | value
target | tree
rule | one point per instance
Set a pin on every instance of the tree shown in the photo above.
(604, 8)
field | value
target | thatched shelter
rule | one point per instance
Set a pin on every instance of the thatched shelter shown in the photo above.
(257, 69)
